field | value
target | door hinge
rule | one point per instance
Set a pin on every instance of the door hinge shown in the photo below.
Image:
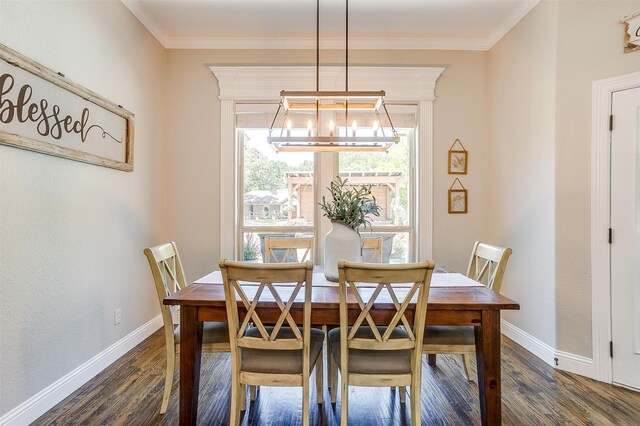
(610, 235)
(611, 122)
(611, 349)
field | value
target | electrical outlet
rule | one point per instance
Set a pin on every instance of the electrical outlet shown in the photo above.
(117, 316)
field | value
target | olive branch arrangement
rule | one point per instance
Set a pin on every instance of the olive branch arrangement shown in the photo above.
(350, 205)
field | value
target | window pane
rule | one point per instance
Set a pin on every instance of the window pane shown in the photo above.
(388, 173)
(395, 246)
(253, 246)
(278, 187)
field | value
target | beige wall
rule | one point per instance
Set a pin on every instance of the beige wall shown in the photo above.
(521, 90)
(539, 139)
(194, 143)
(71, 234)
(589, 49)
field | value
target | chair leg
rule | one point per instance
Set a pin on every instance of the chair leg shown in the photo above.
(329, 356)
(333, 377)
(403, 394)
(168, 379)
(305, 399)
(234, 415)
(252, 392)
(467, 366)
(319, 374)
(243, 397)
(415, 402)
(431, 359)
(344, 400)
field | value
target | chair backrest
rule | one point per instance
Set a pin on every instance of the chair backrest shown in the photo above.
(168, 275)
(357, 279)
(246, 296)
(487, 264)
(373, 247)
(285, 250)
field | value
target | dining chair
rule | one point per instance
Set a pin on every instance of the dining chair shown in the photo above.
(486, 265)
(270, 355)
(373, 247)
(371, 253)
(284, 250)
(386, 352)
(168, 276)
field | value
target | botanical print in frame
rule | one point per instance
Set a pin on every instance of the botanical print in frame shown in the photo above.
(457, 201)
(457, 162)
(42, 111)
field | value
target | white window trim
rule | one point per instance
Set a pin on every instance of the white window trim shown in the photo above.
(264, 83)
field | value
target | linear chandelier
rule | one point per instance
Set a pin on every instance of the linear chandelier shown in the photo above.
(332, 102)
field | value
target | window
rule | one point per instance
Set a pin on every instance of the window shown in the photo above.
(390, 176)
(278, 196)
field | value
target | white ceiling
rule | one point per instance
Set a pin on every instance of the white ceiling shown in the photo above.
(291, 24)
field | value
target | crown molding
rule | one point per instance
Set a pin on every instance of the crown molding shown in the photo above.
(511, 21)
(310, 43)
(264, 83)
(368, 43)
(148, 21)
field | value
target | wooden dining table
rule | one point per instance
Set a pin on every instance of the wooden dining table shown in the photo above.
(453, 300)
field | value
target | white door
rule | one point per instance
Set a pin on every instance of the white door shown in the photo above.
(625, 247)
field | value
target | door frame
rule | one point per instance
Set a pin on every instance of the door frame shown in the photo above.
(602, 92)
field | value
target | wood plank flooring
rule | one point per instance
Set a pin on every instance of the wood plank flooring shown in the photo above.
(129, 392)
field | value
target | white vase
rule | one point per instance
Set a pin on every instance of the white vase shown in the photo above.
(340, 243)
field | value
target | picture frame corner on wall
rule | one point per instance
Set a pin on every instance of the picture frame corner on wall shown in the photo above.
(457, 198)
(64, 118)
(457, 159)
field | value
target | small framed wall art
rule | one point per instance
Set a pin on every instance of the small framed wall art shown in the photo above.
(457, 198)
(457, 159)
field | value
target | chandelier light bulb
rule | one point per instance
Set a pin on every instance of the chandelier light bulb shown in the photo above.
(354, 127)
(309, 126)
(331, 127)
(375, 128)
(288, 128)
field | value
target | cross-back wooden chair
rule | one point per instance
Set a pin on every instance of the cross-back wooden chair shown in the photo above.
(373, 247)
(380, 353)
(283, 250)
(486, 265)
(371, 253)
(168, 276)
(275, 355)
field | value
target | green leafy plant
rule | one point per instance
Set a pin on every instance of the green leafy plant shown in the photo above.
(350, 205)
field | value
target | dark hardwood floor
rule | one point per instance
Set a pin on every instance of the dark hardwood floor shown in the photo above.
(129, 393)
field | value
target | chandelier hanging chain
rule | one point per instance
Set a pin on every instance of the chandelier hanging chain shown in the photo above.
(346, 64)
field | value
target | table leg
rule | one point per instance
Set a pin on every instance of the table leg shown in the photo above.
(488, 357)
(190, 351)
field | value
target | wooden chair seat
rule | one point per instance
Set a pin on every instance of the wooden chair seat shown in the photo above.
(371, 361)
(212, 333)
(279, 362)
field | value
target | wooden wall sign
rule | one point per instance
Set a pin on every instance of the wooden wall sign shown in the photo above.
(457, 159)
(631, 32)
(42, 111)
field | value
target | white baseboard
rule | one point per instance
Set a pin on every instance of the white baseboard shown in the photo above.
(530, 343)
(575, 364)
(564, 361)
(47, 398)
